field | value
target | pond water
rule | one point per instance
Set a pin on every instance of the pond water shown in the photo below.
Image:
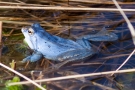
(109, 57)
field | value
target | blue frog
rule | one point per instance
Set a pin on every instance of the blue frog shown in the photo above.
(56, 48)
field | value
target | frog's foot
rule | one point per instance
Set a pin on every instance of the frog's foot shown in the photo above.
(55, 67)
(63, 63)
(59, 65)
(26, 59)
(34, 57)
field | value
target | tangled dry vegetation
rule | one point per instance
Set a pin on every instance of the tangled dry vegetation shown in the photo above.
(58, 15)
(71, 19)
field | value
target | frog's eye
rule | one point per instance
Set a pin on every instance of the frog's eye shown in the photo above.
(30, 31)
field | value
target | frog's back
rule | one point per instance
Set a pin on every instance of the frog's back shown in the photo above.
(50, 45)
(51, 50)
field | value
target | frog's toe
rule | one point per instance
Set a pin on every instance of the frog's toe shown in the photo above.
(26, 59)
(36, 56)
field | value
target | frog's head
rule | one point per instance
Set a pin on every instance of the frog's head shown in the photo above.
(33, 34)
(28, 32)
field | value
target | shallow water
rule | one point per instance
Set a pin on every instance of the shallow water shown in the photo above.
(109, 57)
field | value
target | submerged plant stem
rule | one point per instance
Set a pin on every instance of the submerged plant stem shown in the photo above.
(125, 61)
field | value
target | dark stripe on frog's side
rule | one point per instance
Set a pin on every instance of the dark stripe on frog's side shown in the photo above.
(75, 55)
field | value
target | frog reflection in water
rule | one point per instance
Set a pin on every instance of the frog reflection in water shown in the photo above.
(59, 49)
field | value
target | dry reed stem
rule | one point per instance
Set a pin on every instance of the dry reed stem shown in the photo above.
(0, 33)
(1, 23)
(11, 3)
(116, 56)
(75, 1)
(102, 86)
(130, 26)
(132, 30)
(125, 61)
(95, 1)
(47, 23)
(75, 76)
(64, 8)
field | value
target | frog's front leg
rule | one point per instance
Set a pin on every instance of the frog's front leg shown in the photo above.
(34, 57)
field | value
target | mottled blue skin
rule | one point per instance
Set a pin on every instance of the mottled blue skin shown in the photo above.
(59, 49)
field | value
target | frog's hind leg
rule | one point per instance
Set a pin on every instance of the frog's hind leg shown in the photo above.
(84, 43)
(102, 35)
